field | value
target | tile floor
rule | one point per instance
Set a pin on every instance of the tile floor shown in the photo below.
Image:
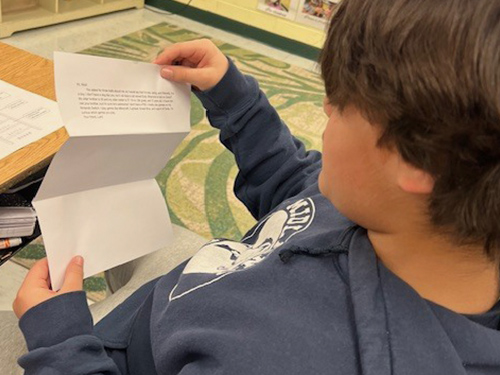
(77, 35)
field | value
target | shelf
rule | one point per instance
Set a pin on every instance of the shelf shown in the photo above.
(50, 12)
(25, 20)
(66, 6)
(25, 15)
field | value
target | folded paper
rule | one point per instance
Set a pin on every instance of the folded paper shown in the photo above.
(99, 198)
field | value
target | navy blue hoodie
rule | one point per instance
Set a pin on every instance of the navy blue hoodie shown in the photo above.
(301, 293)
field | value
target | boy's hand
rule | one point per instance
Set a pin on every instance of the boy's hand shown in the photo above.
(36, 286)
(199, 63)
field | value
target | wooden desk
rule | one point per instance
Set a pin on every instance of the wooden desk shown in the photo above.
(36, 74)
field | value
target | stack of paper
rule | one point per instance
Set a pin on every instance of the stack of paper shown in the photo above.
(17, 221)
(24, 118)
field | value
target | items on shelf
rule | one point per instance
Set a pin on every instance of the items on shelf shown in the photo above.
(315, 13)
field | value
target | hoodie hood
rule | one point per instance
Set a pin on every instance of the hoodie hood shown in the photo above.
(401, 333)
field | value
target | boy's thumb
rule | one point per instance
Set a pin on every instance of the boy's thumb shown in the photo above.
(73, 279)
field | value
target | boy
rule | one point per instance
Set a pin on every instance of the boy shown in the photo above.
(392, 269)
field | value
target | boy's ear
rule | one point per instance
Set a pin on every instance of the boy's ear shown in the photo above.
(414, 180)
(327, 107)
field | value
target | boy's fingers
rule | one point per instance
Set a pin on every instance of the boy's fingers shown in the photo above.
(38, 275)
(73, 279)
(187, 50)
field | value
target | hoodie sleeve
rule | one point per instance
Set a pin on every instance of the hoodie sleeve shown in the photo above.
(60, 340)
(273, 165)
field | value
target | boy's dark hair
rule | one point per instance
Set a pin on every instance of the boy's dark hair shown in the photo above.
(428, 71)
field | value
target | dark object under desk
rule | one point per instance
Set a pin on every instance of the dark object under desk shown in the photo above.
(21, 198)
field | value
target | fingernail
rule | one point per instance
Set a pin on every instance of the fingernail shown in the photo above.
(167, 73)
(79, 260)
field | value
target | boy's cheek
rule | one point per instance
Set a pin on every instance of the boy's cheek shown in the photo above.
(323, 184)
(325, 174)
(320, 182)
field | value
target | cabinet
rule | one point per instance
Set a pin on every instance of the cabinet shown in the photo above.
(37, 13)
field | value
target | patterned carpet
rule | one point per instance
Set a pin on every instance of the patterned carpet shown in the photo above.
(197, 182)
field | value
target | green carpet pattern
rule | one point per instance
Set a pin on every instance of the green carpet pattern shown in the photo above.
(198, 181)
